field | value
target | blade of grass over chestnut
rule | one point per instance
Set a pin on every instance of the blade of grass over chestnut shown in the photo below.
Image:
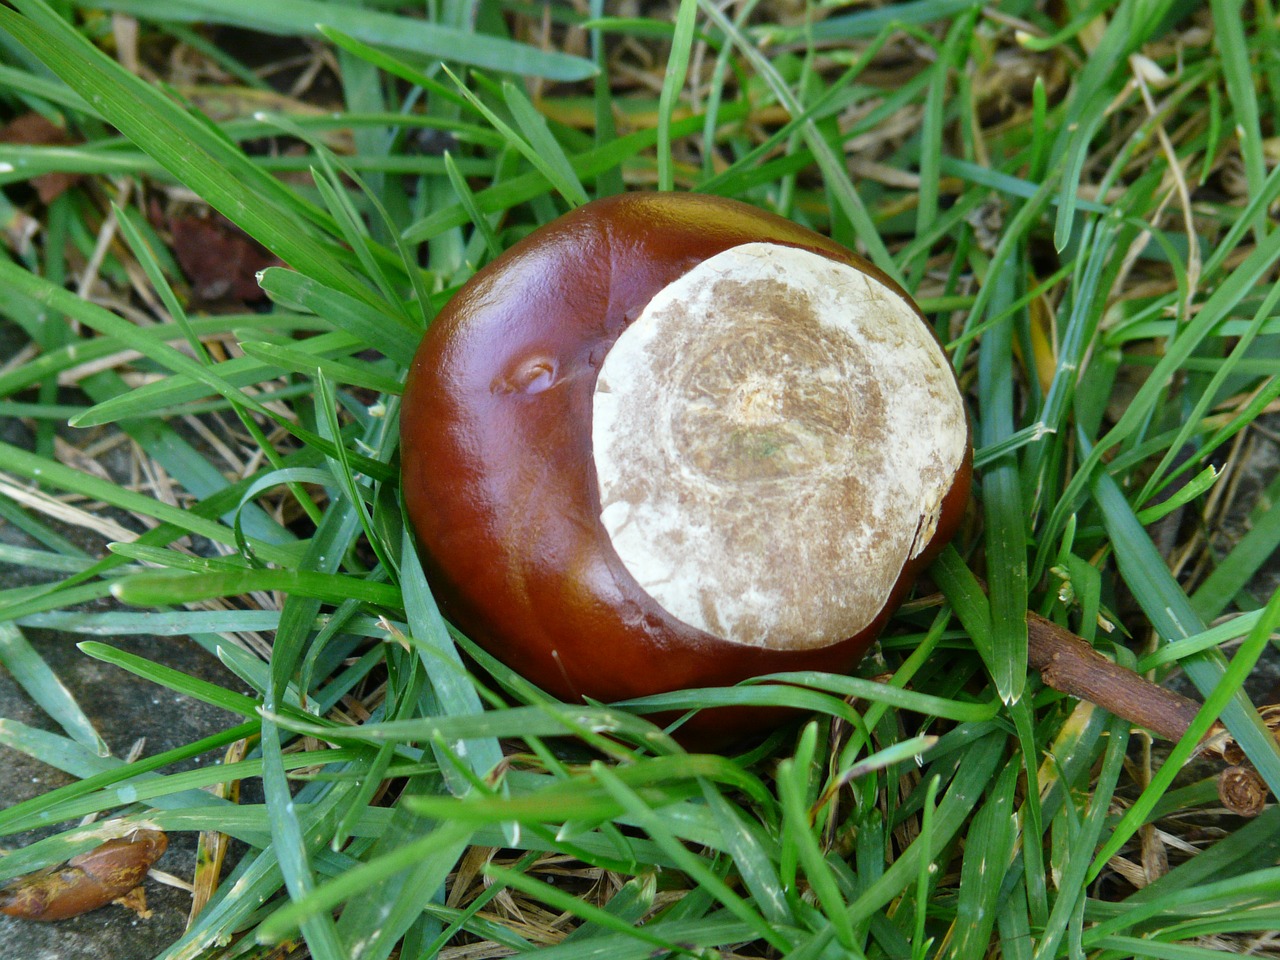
(758, 690)
(538, 721)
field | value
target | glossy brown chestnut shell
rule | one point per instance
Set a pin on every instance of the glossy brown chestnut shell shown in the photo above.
(499, 479)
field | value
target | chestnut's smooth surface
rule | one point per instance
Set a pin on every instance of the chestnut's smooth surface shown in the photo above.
(503, 481)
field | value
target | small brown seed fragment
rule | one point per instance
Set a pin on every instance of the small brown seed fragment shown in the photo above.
(84, 882)
(1242, 791)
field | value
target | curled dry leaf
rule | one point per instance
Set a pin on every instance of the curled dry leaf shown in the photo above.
(1240, 788)
(1242, 791)
(1223, 744)
(85, 882)
(221, 262)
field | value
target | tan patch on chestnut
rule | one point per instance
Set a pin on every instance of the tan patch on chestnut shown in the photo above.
(773, 439)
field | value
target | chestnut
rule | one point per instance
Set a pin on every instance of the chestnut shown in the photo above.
(671, 441)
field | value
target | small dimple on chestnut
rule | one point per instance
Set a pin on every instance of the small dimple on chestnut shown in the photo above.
(530, 375)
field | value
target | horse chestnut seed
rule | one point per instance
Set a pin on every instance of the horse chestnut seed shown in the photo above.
(672, 441)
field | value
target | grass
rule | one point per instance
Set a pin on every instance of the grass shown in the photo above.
(1082, 206)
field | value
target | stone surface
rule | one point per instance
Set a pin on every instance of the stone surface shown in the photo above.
(123, 708)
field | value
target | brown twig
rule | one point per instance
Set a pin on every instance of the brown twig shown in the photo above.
(1068, 663)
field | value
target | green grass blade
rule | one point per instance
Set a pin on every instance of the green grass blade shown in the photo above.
(355, 373)
(989, 848)
(29, 670)
(1229, 34)
(1173, 616)
(1086, 111)
(831, 164)
(182, 144)
(454, 691)
(1229, 687)
(672, 81)
(568, 186)
(1254, 550)
(539, 137)
(62, 477)
(175, 680)
(167, 589)
(419, 38)
(1005, 525)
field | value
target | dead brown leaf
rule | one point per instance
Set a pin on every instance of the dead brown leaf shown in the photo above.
(220, 262)
(34, 129)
